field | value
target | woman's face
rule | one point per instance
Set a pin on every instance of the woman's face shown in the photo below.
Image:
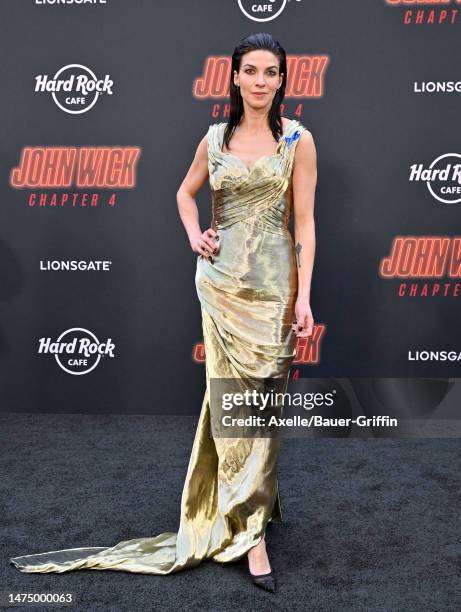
(259, 73)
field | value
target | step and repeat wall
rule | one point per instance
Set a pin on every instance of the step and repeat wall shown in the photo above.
(103, 105)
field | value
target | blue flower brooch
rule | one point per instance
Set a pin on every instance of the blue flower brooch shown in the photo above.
(291, 139)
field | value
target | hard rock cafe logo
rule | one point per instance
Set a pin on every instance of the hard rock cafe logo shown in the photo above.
(74, 88)
(424, 257)
(306, 77)
(77, 351)
(262, 10)
(442, 177)
(85, 168)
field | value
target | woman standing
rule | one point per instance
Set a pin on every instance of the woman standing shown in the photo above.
(253, 284)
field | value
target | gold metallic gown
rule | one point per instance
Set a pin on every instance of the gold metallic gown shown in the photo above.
(247, 297)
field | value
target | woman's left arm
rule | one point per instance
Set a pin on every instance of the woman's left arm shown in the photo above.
(304, 185)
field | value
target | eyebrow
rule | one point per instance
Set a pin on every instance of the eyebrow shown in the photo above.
(251, 66)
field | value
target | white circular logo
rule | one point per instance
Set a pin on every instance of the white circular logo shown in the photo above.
(74, 88)
(262, 10)
(445, 179)
(77, 351)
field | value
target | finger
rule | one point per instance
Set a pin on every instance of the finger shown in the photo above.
(305, 320)
(211, 235)
(214, 237)
(216, 246)
(306, 331)
(302, 331)
(202, 247)
(211, 232)
(208, 243)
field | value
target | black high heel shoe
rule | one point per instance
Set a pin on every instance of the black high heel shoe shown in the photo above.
(265, 581)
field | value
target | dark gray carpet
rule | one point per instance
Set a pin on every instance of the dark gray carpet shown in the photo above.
(369, 524)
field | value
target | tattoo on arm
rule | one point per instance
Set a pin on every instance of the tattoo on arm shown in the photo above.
(298, 248)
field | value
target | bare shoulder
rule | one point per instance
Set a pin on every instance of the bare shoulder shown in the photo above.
(306, 135)
(306, 152)
(306, 144)
(306, 141)
(202, 148)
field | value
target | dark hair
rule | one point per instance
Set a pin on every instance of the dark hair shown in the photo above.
(261, 40)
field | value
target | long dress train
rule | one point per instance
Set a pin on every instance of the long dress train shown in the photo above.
(247, 296)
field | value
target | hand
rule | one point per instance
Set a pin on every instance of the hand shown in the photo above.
(206, 244)
(304, 322)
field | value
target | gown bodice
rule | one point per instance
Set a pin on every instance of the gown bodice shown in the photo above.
(262, 195)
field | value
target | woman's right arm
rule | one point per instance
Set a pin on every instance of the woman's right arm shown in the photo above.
(201, 242)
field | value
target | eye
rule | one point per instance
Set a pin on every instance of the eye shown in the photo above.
(271, 72)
